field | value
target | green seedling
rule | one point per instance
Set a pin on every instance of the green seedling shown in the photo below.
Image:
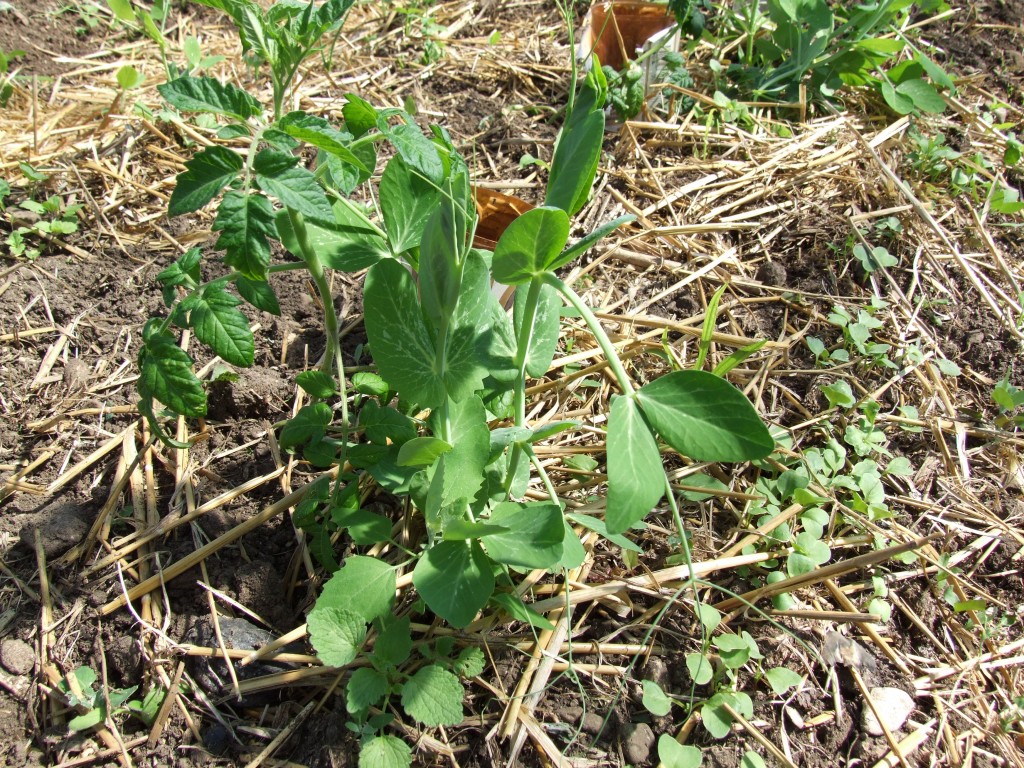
(34, 224)
(448, 361)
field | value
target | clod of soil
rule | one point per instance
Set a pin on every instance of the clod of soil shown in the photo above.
(17, 657)
(61, 525)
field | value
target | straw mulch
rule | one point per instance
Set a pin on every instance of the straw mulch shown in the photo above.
(95, 512)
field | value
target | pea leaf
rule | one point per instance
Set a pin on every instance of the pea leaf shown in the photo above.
(544, 339)
(531, 241)
(433, 696)
(407, 201)
(635, 478)
(219, 324)
(422, 451)
(208, 173)
(586, 243)
(245, 222)
(705, 417)
(520, 611)
(337, 634)
(575, 162)
(455, 580)
(207, 94)
(278, 174)
(532, 537)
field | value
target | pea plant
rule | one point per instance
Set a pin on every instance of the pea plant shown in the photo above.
(441, 424)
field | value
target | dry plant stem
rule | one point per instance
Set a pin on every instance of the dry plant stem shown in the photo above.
(176, 569)
(819, 575)
(758, 736)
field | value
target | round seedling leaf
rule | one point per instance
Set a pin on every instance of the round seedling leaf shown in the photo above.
(433, 696)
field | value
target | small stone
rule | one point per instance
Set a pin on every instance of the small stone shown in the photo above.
(771, 273)
(17, 656)
(592, 723)
(639, 739)
(570, 715)
(893, 705)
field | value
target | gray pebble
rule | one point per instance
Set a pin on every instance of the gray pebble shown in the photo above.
(894, 707)
(639, 739)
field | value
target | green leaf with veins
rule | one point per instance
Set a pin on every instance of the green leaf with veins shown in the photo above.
(259, 294)
(278, 174)
(165, 375)
(636, 479)
(530, 242)
(308, 425)
(704, 417)
(366, 688)
(208, 173)
(219, 324)
(363, 585)
(469, 663)
(207, 94)
(533, 538)
(394, 642)
(407, 201)
(385, 752)
(321, 134)
(402, 347)
(546, 324)
(245, 223)
(455, 580)
(433, 697)
(336, 633)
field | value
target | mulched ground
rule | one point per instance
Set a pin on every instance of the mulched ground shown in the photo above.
(770, 215)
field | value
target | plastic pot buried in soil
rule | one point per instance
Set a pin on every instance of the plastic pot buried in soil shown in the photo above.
(618, 31)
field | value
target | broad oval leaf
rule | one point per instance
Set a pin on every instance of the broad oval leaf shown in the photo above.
(422, 451)
(385, 752)
(407, 201)
(636, 480)
(531, 241)
(575, 162)
(165, 375)
(672, 754)
(245, 223)
(533, 536)
(705, 418)
(455, 580)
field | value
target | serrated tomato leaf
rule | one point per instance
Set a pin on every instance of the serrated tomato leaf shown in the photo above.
(165, 375)
(208, 173)
(279, 174)
(219, 324)
(207, 94)
(245, 223)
